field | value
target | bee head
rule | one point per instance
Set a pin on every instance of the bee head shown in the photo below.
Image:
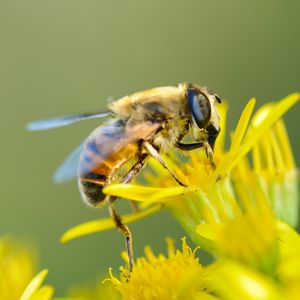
(204, 115)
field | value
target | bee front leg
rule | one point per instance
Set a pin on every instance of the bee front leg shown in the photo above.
(213, 133)
(154, 153)
(189, 147)
(192, 146)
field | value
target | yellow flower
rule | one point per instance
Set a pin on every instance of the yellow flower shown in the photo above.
(232, 280)
(250, 238)
(179, 275)
(17, 266)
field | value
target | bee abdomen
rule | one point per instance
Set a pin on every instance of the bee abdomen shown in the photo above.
(92, 190)
(105, 150)
(93, 177)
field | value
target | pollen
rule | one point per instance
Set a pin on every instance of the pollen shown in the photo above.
(177, 275)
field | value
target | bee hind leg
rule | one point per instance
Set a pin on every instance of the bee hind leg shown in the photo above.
(123, 228)
(154, 153)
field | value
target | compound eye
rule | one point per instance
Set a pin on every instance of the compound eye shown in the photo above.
(199, 106)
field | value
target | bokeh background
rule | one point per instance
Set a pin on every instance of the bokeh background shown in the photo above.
(62, 57)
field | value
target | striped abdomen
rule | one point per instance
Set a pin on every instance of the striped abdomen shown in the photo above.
(105, 150)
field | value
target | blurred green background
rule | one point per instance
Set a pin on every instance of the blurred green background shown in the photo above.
(62, 57)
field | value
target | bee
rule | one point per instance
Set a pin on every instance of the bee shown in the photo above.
(142, 125)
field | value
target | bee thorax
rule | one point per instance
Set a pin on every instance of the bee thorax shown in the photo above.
(170, 134)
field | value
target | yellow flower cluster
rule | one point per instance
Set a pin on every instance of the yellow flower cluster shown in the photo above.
(180, 275)
(17, 267)
(158, 277)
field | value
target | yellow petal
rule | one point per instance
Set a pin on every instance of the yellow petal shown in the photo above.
(144, 193)
(242, 124)
(44, 293)
(289, 248)
(34, 285)
(236, 282)
(287, 235)
(209, 231)
(285, 145)
(266, 121)
(219, 148)
(104, 224)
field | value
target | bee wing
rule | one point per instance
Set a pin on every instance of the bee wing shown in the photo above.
(63, 121)
(106, 144)
(133, 134)
(111, 139)
(68, 170)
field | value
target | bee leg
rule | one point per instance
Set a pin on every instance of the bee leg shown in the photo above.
(154, 153)
(209, 151)
(131, 174)
(189, 147)
(135, 169)
(123, 228)
(192, 146)
(206, 145)
(213, 133)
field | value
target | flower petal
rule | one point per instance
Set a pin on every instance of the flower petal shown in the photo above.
(34, 285)
(44, 293)
(285, 145)
(287, 235)
(234, 282)
(104, 224)
(209, 231)
(242, 124)
(289, 248)
(267, 120)
(144, 193)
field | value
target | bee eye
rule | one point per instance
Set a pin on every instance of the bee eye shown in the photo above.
(199, 106)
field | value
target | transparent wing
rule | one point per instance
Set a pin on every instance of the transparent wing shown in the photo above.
(103, 144)
(63, 121)
(112, 144)
(69, 168)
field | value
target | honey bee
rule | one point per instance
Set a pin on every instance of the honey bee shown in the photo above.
(142, 125)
